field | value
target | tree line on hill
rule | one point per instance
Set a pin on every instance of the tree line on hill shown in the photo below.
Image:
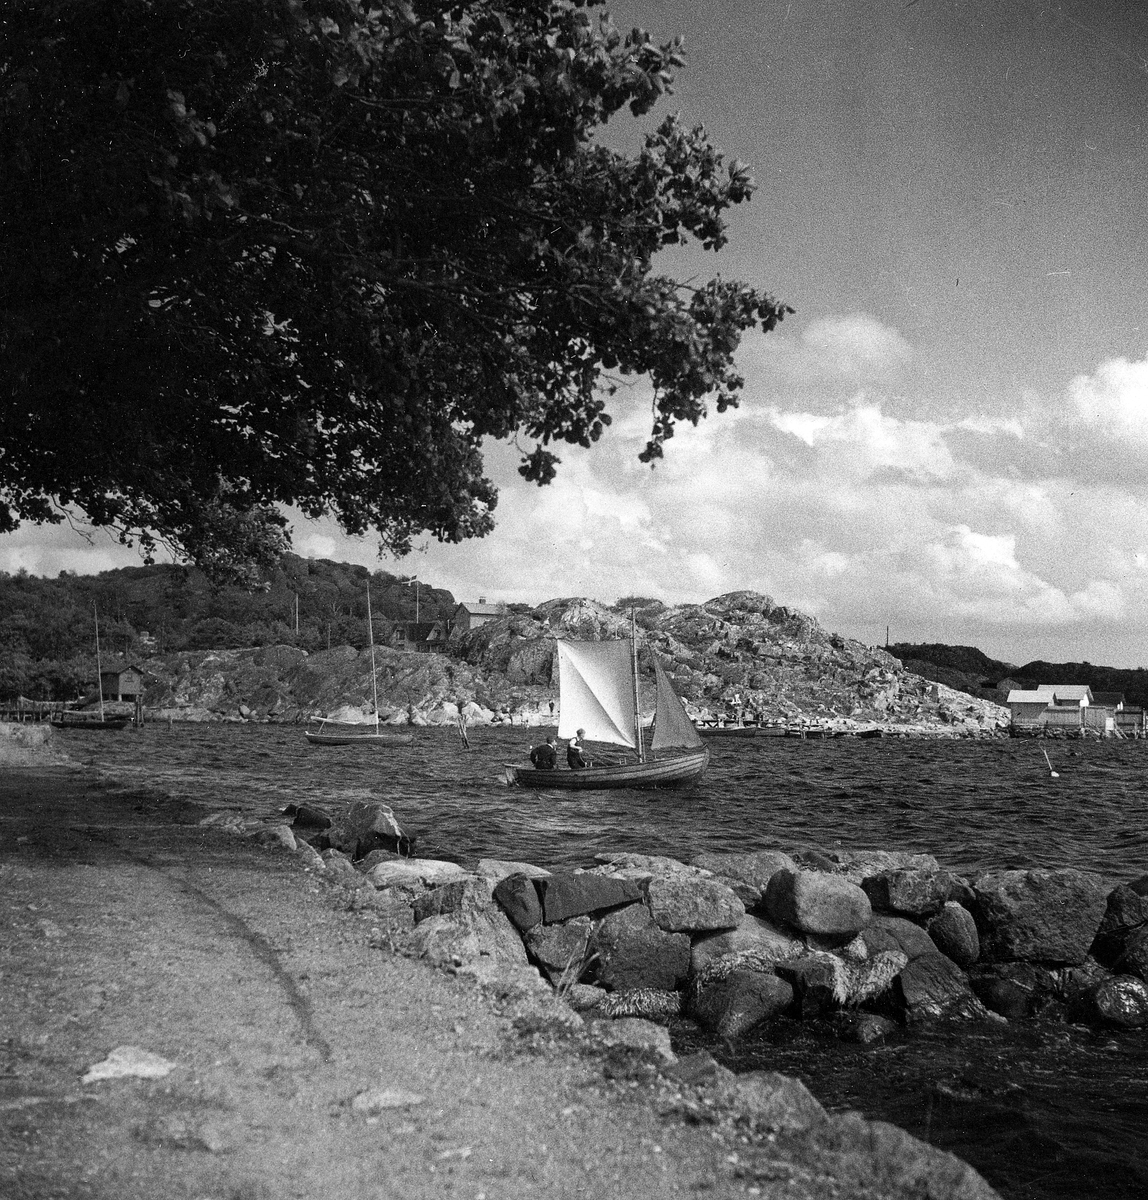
(970, 670)
(48, 626)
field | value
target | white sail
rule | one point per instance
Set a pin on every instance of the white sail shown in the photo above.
(596, 687)
(672, 727)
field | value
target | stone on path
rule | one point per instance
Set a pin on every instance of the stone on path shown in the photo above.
(1042, 916)
(129, 1062)
(377, 1100)
(816, 903)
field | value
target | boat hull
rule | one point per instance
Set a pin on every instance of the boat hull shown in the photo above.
(662, 772)
(740, 731)
(96, 723)
(359, 739)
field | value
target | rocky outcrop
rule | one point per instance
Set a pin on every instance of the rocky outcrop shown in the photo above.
(735, 652)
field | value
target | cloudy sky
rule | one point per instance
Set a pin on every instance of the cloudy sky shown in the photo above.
(950, 438)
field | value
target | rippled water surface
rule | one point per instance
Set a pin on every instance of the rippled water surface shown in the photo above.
(1041, 1110)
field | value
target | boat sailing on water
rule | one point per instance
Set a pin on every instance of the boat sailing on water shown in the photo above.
(340, 734)
(598, 687)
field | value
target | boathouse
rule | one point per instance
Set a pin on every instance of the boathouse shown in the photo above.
(122, 683)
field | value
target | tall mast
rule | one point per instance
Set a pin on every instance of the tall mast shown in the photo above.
(99, 673)
(637, 708)
(371, 636)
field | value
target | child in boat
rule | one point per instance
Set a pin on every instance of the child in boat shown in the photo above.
(545, 757)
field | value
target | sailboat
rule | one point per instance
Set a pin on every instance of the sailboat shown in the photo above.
(360, 735)
(598, 687)
(84, 720)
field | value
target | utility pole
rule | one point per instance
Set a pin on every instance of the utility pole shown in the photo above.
(296, 614)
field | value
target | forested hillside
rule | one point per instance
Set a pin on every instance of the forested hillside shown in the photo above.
(47, 629)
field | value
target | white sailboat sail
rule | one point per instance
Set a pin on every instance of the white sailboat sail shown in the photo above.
(596, 689)
(672, 727)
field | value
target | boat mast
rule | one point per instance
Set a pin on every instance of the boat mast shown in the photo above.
(99, 673)
(637, 709)
(371, 638)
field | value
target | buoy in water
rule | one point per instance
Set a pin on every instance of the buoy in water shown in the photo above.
(1051, 773)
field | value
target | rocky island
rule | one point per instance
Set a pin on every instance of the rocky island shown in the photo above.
(737, 652)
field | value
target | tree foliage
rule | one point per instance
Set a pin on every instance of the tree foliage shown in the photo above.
(314, 252)
(48, 626)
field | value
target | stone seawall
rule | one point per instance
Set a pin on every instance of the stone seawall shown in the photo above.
(872, 940)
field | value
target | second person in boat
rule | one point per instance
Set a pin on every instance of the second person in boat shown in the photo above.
(575, 759)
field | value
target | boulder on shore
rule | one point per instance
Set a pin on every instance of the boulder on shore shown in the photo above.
(813, 902)
(1040, 916)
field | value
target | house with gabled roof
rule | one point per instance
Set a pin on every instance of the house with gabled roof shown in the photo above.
(467, 616)
(1061, 706)
(122, 683)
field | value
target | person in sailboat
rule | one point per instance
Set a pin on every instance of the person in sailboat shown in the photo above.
(545, 757)
(575, 759)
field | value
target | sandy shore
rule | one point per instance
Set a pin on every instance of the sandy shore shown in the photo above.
(127, 924)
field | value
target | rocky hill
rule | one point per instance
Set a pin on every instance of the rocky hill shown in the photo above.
(737, 651)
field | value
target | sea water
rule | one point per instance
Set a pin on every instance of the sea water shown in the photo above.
(1041, 1109)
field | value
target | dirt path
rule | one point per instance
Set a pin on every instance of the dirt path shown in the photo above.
(119, 927)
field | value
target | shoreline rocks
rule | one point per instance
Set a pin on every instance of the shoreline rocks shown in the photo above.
(879, 940)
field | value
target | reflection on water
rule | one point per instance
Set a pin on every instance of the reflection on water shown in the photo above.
(1042, 1111)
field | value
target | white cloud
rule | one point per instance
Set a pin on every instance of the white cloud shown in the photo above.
(856, 344)
(1023, 525)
